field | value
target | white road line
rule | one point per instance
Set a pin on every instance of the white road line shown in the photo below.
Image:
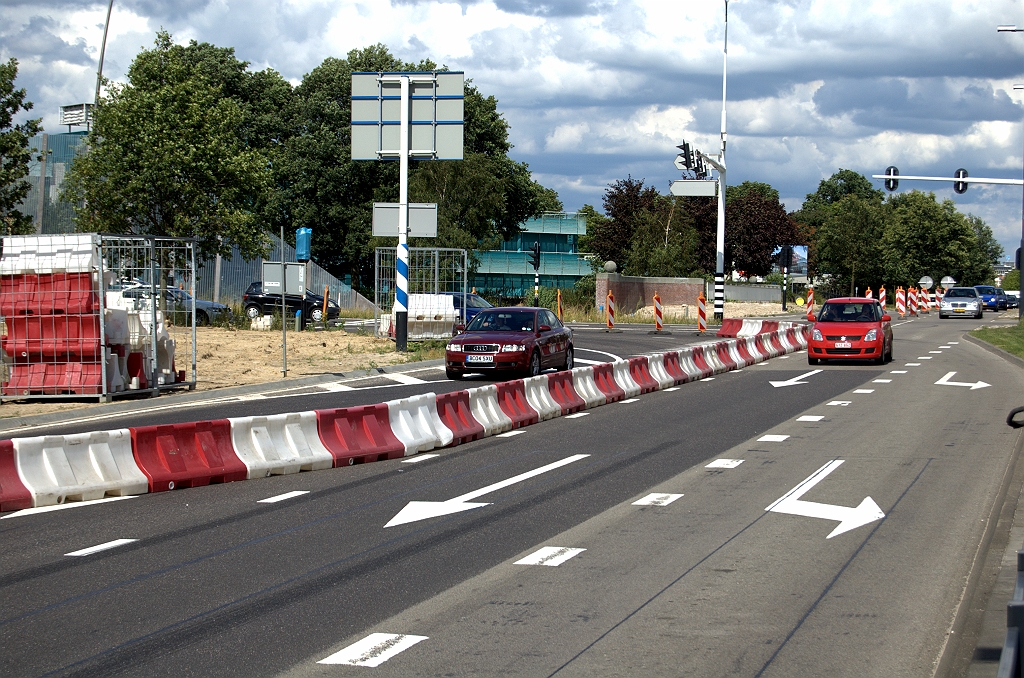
(772, 438)
(581, 361)
(945, 347)
(810, 417)
(418, 458)
(864, 390)
(335, 387)
(898, 372)
(61, 507)
(576, 416)
(935, 351)
(373, 650)
(840, 403)
(552, 556)
(101, 547)
(783, 357)
(902, 323)
(510, 433)
(724, 463)
(403, 378)
(924, 357)
(708, 379)
(881, 381)
(629, 400)
(911, 364)
(282, 497)
(657, 499)
(590, 350)
(954, 343)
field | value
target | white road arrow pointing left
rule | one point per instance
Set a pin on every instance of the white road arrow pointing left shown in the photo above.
(421, 510)
(849, 518)
(794, 381)
(946, 382)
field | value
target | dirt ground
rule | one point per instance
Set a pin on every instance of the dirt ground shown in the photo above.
(234, 357)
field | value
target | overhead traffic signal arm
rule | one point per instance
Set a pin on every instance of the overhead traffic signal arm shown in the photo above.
(960, 180)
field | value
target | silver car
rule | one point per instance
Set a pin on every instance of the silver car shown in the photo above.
(961, 301)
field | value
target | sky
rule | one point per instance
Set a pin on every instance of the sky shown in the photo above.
(598, 90)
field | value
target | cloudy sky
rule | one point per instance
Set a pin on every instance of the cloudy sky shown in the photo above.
(596, 90)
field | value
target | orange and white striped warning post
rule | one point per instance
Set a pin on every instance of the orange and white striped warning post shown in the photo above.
(659, 324)
(924, 302)
(869, 294)
(559, 306)
(911, 301)
(901, 301)
(702, 314)
(881, 297)
(810, 303)
(609, 310)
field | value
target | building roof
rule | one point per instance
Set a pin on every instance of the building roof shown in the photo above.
(563, 223)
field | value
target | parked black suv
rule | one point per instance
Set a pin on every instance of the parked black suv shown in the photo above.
(258, 304)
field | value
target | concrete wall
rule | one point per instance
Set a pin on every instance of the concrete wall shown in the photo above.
(632, 292)
(753, 293)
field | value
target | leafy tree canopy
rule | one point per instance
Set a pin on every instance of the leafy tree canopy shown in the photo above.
(14, 152)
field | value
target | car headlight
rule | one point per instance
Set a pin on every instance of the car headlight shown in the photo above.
(972, 304)
(452, 347)
(872, 335)
(945, 304)
(816, 335)
(512, 348)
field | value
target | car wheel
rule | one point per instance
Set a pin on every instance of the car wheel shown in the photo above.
(202, 319)
(253, 312)
(454, 376)
(812, 361)
(979, 316)
(533, 369)
(568, 359)
(942, 317)
(317, 315)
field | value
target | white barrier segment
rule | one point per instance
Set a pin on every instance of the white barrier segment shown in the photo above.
(586, 387)
(749, 328)
(620, 371)
(786, 342)
(415, 422)
(656, 365)
(539, 397)
(734, 353)
(688, 365)
(279, 444)
(79, 467)
(754, 349)
(801, 335)
(483, 404)
(766, 344)
(713, 360)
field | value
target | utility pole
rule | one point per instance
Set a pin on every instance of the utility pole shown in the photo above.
(720, 166)
(103, 50)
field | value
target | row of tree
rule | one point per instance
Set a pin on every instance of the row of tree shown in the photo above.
(856, 237)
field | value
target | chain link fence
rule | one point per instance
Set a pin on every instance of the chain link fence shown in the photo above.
(436, 276)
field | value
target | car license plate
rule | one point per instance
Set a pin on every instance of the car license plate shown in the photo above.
(479, 358)
(959, 310)
(843, 344)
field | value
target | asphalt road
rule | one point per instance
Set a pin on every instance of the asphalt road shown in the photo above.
(712, 583)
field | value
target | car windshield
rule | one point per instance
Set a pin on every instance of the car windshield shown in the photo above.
(961, 292)
(502, 321)
(848, 312)
(473, 301)
(986, 290)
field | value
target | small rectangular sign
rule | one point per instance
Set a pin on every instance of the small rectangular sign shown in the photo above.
(422, 219)
(695, 188)
(272, 278)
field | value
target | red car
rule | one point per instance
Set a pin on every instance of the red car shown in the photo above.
(851, 328)
(516, 339)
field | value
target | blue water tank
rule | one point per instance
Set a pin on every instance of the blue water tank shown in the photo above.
(303, 236)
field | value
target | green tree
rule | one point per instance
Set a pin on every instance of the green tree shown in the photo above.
(14, 152)
(660, 246)
(756, 224)
(166, 157)
(1011, 281)
(847, 241)
(986, 252)
(625, 203)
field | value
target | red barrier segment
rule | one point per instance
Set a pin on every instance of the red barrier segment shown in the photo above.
(604, 377)
(769, 326)
(52, 336)
(47, 294)
(54, 379)
(777, 343)
(454, 410)
(641, 373)
(564, 393)
(722, 350)
(355, 435)
(741, 348)
(730, 328)
(791, 338)
(675, 368)
(14, 496)
(702, 363)
(187, 455)
(513, 402)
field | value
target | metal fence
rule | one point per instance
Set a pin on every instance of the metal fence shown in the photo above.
(52, 155)
(433, 272)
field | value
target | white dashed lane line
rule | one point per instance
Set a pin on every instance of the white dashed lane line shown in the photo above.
(373, 650)
(864, 390)
(898, 372)
(282, 497)
(101, 547)
(657, 499)
(810, 417)
(912, 364)
(840, 403)
(772, 438)
(881, 381)
(510, 433)
(418, 458)
(552, 556)
(61, 507)
(576, 416)
(724, 463)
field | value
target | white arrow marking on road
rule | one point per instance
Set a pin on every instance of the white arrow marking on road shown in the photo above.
(421, 510)
(849, 518)
(946, 382)
(794, 381)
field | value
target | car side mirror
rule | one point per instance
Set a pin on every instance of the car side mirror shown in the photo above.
(459, 329)
(544, 328)
(886, 318)
(810, 316)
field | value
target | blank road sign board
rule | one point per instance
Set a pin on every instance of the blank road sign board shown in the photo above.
(422, 219)
(435, 115)
(694, 187)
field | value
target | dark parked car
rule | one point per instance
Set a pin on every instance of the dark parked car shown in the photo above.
(258, 304)
(179, 301)
(993, 298)
(516, 339)
(1011, 299)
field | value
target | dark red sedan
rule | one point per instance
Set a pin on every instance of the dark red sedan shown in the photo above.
(515, 339)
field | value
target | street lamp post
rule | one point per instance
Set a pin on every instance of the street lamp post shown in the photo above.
(103, 50)
(1014, 29)
(720, 166)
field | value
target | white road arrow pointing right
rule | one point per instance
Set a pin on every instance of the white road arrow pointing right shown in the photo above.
(946, 382)
(794, 381)
(849, 518)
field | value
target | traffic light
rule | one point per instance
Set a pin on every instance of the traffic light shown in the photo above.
(687, 157)
(892, 183)
(535, 256)
(960, 186)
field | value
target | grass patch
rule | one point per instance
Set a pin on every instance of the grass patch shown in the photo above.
(1010, 339)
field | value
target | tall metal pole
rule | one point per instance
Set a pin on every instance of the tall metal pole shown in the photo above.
(284, 315)
(1020, 307)
(720, 236)
(103, 50)
(402, 259)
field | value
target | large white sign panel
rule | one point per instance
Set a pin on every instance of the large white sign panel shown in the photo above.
(694, 188)
(422, 219)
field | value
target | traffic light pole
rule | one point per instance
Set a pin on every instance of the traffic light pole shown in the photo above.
(536, 288)
(401, 309)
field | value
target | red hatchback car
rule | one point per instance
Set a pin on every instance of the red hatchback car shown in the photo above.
(851, 328)
(516, 339)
